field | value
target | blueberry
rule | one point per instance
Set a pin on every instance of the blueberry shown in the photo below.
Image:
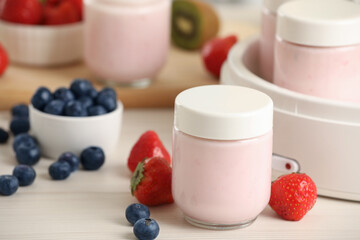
(4, 136)
(60, 170)
(27, 153)
(80, 87)
(86, 101)
(20, 110)
(136, 211)
(8, 185)
(75, 109)
(92, 93)
(96, 110)
(19, 125)
(41, 97)
(107, 100)
(71, 159)
(110, 91)
(23, 138)
(92, 158)
(25, 174)
(64, 94)
(55, 107)
(146, 229)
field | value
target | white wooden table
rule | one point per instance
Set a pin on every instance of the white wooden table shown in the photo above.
(91, 205)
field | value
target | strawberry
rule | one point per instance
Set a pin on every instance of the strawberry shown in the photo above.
(151, 182)
(22, 11)
(214, 53)
(60, 12)
(3, 60)
(293, 195)
(79, 6)
(148, 145)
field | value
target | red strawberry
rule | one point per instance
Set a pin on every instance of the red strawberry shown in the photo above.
(215, 51)
(60, 12)
(79, 6)
(3, 60)
(148, 145)
(22, 11)
(293, 195)
(151, 182)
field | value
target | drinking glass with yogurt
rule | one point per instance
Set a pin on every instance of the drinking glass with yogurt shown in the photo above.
(126, 41)
(222, 151)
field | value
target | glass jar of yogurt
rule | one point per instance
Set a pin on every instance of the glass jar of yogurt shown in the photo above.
(267, 37)
(126, 41)
(222, 151)
(317, 50)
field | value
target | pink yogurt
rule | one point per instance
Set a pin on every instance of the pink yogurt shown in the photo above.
(221, 182)
(222, 151)
(317, 50)
(327, 72)
(126, 41)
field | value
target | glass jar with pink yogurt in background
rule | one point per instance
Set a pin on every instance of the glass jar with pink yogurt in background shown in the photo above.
(317, 50)
(222, 152)
(126, 41)
(267, 37)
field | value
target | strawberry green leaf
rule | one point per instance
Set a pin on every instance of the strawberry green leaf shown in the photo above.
(137, 176)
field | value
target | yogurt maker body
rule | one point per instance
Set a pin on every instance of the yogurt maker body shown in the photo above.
(322, 135)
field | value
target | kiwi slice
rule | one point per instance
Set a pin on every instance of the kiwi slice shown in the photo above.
(193, 23)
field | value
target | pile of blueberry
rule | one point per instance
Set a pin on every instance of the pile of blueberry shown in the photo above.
(81, 100)
(23, 175)
(145, 228)
(91, 158)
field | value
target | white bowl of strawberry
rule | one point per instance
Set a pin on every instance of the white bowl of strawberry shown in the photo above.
(42, 32)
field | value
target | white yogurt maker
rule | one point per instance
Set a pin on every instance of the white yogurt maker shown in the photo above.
(321, 135)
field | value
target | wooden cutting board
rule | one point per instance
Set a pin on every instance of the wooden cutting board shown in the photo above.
(183, 70)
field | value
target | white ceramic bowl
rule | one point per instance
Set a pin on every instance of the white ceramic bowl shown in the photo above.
(42, 46)
(58, 134)
(323, 135)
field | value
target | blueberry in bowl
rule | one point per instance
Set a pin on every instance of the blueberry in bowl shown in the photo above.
(41, 98)
(55, 107)
(63, 94)
(66, 124)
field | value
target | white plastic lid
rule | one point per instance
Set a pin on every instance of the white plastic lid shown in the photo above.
(326, 23)
(221, 112)
(273, 5)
